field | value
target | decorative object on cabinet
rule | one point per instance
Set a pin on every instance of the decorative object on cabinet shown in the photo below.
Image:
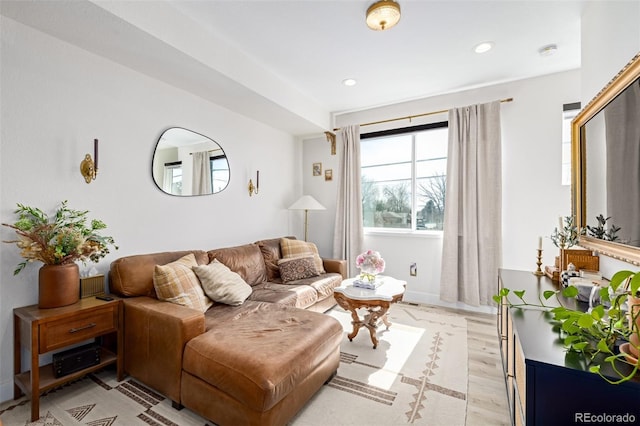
(306, 203)
(91, 286)
(328, 174)
(596, 333)
(538, 270)
(89, 166)
(317, 169)
(59, 242)
(58, 285)
(253, 189)
(588, 187)
(180, 154)
(566, 235)
(581, 259)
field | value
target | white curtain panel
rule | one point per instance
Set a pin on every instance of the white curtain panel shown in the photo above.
(472, 234)
(348, 235)
(201, 183)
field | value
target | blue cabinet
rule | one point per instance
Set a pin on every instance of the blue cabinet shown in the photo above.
(546, 384)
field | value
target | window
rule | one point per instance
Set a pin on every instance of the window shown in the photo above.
(219, 175)
(173, 178)
(569, 111)
(219, 172)
(403, 177)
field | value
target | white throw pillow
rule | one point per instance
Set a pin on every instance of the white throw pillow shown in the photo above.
(221, 284)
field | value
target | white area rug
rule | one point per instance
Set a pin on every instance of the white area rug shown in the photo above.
(417, 375)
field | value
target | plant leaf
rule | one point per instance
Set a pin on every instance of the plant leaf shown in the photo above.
(598, 312)
(585, 320)
(618, 278)
(570, 291)
(520, 294)
(603, 347)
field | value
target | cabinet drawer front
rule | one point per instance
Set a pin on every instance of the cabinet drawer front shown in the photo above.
(521, 375)
(67, 331)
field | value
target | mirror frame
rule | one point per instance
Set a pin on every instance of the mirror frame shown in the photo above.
(155, 152)
(626, 253)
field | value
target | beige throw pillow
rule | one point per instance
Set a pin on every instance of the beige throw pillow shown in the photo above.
(296, 248)
(222, 284)
(297, 268)
(176, 282)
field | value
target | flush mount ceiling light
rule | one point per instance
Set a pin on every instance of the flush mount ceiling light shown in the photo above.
(349, 82)
(383, 15)
(483, 47)
(548, 50)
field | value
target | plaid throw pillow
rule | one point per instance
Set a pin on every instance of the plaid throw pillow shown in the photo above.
(176, 282)
(296, 248)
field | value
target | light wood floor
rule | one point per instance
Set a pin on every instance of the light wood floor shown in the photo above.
(487, 395)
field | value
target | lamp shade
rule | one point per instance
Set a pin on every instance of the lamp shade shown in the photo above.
(306, 202)
(383, 15)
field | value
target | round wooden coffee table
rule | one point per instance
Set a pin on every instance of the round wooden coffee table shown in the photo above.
(376, 302)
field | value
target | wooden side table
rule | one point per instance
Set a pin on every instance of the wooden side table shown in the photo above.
(45, 330)
(376, 302)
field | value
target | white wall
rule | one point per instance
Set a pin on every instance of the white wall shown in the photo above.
(533, 197)
(57, 98)
(610, 38)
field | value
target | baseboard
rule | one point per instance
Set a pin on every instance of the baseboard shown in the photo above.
(433, 299)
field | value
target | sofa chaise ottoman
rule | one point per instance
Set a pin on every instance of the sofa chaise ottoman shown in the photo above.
(256, 363)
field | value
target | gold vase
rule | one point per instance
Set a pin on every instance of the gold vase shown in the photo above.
(58, 285)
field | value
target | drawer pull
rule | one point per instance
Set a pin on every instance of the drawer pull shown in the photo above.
(84, 327)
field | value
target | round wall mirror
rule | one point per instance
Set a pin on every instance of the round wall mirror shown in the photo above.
(186, 163)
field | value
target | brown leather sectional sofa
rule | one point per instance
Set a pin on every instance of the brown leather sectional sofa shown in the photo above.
(253, 364)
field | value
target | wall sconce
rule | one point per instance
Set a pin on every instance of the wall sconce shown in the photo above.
(89, 166)
(254, 189)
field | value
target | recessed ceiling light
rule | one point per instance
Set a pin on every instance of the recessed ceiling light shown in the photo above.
(548, 50)
(483, 47)
(349, 82)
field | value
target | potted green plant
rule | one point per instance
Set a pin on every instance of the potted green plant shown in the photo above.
(58, 241)
(608, 333)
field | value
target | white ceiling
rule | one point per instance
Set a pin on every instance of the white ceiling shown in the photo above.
(282, 61)
(315, 44)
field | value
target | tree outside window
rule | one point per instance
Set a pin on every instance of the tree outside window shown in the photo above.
(404, 178)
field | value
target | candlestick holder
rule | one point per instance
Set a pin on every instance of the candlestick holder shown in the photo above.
(538, 272)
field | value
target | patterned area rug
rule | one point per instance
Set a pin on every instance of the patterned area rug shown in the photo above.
(417, 375)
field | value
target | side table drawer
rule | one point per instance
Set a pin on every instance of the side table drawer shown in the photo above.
(67, 331)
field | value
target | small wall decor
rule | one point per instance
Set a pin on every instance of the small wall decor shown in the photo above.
(89, 166)
(317, 169)
(328, 174)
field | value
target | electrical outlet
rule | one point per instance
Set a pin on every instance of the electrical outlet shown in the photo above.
(413, 269)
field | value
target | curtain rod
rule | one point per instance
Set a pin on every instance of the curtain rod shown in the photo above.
(410, 117)
(331, 137)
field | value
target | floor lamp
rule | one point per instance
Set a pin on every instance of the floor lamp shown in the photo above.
(306, 203)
